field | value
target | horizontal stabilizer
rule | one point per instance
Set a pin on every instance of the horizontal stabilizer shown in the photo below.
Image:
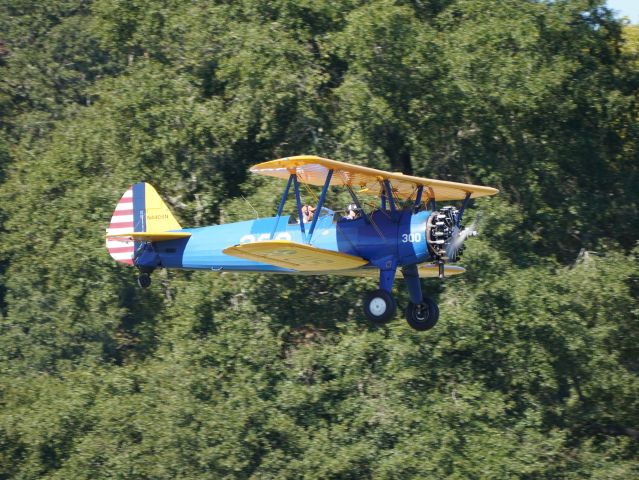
(296, 256)
(149, 236)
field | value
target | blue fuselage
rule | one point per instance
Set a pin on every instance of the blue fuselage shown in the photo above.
(380, 240)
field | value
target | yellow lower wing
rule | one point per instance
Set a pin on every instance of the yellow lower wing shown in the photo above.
(429, 270)
(150, 236)
(296, 256)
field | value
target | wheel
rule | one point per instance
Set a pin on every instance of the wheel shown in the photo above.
(379, 306)
(144, 280)
(423, 316)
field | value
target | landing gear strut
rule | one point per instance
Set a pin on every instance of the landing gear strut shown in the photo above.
(379, 305)
(147, 260)
(422, 312)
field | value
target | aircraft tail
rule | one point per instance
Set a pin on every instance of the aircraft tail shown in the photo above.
(140, 211)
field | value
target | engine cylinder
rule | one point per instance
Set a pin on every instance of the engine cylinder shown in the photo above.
(441, 228)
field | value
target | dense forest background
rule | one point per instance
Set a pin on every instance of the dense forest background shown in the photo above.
(532, 371)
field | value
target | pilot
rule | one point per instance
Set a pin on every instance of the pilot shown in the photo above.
(352, 212)
(308, 211)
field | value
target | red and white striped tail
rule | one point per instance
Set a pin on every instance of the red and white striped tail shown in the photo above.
(122, 249)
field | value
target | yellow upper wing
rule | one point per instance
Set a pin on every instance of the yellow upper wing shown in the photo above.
(296, 256)
(313, 170)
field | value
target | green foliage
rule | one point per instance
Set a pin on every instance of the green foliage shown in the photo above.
(532, 370)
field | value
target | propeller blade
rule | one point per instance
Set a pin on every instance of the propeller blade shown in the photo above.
(459, 237)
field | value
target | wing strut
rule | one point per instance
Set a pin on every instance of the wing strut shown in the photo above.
(418, 199)
(391, 200)
(463, 208)
(320, 203)
(293, 179)
(298, 200)
(281, 207)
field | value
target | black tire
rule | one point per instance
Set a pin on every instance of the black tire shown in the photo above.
(379, 306)
(424, 316)
(144, 280)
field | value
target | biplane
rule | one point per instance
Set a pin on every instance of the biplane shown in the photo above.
(403, 233)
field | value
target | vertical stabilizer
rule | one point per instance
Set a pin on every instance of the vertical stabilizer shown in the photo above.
(156, 217)
(139, 210)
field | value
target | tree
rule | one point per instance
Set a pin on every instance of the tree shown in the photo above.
(532, 370)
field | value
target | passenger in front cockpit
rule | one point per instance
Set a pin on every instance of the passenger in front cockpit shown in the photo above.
(307, 212)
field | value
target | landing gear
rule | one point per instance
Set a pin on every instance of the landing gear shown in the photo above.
(144, 280)
(379, 306)
(422, 312)
(422, 316)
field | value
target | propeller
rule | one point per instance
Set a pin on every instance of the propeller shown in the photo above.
(459, 236)
(446, 235)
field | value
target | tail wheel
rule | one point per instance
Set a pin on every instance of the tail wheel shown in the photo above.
(144, 280)
(379, 306)
(422, 316)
